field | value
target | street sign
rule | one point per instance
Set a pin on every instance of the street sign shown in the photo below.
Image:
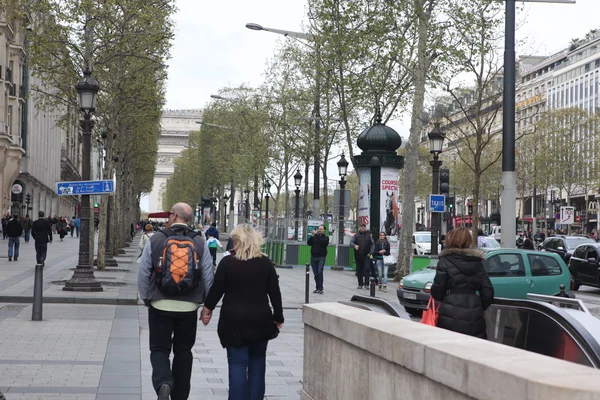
(436, 203)
(567, 215)
(85, 187)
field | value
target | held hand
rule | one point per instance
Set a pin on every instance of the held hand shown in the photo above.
(205, 315)
(381, 251)
(279, 325)
(355, 247)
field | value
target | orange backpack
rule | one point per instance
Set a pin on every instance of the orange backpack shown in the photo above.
(178, 270)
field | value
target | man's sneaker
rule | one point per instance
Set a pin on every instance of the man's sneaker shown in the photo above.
(384, 288)
(359, 287)
(9, 258)
(164, 392)
(16, 258)
(315, 291)
(320, 291)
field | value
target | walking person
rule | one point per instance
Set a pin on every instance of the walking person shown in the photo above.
(145, 239)
(462, 286)
(213, 243)
(77, 225)
(381, 249)
(14, 230)
(362, 243)
(173, 301)
(4, 223)
(61, 228)
(41, 231)
(72, 225)
(246, 322)
(27, 222)
(318, 243)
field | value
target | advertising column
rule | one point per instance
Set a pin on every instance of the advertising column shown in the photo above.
(364, 196)
(389, 210)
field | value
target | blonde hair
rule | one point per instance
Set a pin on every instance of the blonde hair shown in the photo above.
(247, 242)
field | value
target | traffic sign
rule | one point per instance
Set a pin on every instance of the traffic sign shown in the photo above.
(85, 187)
(567, 215)
(436, 203)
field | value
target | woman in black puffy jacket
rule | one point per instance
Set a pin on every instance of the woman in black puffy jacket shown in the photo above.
(462, 286)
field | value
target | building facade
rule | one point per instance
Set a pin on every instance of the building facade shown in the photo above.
(176, 126)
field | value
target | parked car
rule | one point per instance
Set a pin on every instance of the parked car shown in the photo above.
(584, 266)
(564, 245)
(496, 232)
(513, 273)
(421, 243)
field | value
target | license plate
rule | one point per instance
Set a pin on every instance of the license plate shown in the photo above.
(410, 296)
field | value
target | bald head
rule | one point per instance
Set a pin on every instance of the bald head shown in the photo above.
(183, 213)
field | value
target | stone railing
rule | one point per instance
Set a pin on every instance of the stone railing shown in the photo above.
(355, 354)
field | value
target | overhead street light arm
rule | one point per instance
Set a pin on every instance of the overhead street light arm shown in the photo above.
(297, 35)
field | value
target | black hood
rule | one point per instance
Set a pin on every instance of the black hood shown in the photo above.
(467, 261)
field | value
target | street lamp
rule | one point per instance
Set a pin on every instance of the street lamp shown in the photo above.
(317, 106)
(225, 198)
(343, 171)
(436, 142)
(267, 186)
(83, 278)
(298, 183)
(247, 206)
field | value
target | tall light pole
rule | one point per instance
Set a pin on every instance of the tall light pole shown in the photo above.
(298, 183)
(83, 278)
(343, 171)
(267, 186)
(317, 107)
(225, 198)
(508, 212)
(436, 142)
(247, 205)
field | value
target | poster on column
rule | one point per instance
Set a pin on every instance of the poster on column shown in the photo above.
(364, 196)
(388, 207)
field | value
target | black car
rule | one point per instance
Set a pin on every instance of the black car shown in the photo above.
(564, 245)
(585, 266)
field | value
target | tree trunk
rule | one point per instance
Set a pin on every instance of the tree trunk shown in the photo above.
(416, 125)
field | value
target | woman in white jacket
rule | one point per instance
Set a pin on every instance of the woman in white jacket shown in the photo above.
(145, 239)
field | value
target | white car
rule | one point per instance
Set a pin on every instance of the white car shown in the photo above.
(421, 243)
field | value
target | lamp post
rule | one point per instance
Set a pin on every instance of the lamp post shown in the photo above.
(83, 278)
(225, 198)
(317, 106)
(343, 171)
(247, 205)
(267, 186)
(436, 141)
(298, 182)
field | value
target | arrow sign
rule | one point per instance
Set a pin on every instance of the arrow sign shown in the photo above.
(85, 188)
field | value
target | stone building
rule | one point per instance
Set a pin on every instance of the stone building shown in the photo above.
(175, 128)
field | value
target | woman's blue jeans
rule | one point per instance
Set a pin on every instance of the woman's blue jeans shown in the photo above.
(247, 367)
(382, 270)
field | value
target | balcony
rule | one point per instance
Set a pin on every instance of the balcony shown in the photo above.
(8, 75)
(12, 91)
(22, 92)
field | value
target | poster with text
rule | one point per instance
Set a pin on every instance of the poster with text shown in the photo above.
(364, 196)
(388, 208)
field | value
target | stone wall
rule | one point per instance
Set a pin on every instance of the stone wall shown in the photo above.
(355, 354)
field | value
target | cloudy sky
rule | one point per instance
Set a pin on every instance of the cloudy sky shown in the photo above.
(213, 48)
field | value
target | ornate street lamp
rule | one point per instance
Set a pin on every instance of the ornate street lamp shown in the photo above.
(247, 206)
(436, 142)
(298, 183)
(225, 198)
(343, 171)
(267, 186)
(83, 278)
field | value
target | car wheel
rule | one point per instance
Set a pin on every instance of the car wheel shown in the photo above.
(415, 252)
(415, 312)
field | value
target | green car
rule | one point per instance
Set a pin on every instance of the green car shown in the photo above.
(514, 273)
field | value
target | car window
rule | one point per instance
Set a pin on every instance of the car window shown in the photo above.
(591, 252)
(573, 242)
(542, 265)
(487, 242)
(506, 265)
(423, 238)
(550, 243)
(580, 252)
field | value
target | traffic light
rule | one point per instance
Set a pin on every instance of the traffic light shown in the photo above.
(445, 181)
(28, 198)
(20, 197)
(450, 203)
(96, 205)
(470, 209)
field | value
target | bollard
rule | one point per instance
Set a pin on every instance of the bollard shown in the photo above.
(372, 287)
(38, 287)
(307, 283)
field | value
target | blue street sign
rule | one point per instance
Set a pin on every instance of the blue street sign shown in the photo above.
(436, 203)
(84, 187)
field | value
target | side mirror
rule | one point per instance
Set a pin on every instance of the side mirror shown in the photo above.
(413, 240)
(560, 248)
(591, 260)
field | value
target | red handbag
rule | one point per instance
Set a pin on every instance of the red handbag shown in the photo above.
(430, 315)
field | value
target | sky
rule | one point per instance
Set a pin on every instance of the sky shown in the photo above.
(213, 48)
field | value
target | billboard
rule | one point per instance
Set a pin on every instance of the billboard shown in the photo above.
(364, 196)
(388, 208)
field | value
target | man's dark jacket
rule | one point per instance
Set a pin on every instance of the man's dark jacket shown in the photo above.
(465, 291)
(318, 245)
(14, 228)
(41, 231)
(364, 242)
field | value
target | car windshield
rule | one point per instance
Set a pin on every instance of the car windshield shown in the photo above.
(423, 238)
(572, 242)
(487, 242)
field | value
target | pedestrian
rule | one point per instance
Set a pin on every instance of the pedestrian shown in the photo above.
(528, 245)
(145, 239)
(4, 223)
(132, 231)
(77, 225)
(212, 247)
(72, 225)
(14, 230)
(462, 286)
(318, 243)
(41, 231)
(381, 249)
(27, 222)
(61, 228)
(212, 231)
(246, 322)
(362, 243)
(173, 302)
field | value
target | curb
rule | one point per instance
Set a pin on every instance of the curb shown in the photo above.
(69, 300)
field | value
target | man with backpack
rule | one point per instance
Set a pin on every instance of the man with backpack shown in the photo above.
(175, 275)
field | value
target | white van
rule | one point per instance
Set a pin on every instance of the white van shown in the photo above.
(421, 243)
(496, 232)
